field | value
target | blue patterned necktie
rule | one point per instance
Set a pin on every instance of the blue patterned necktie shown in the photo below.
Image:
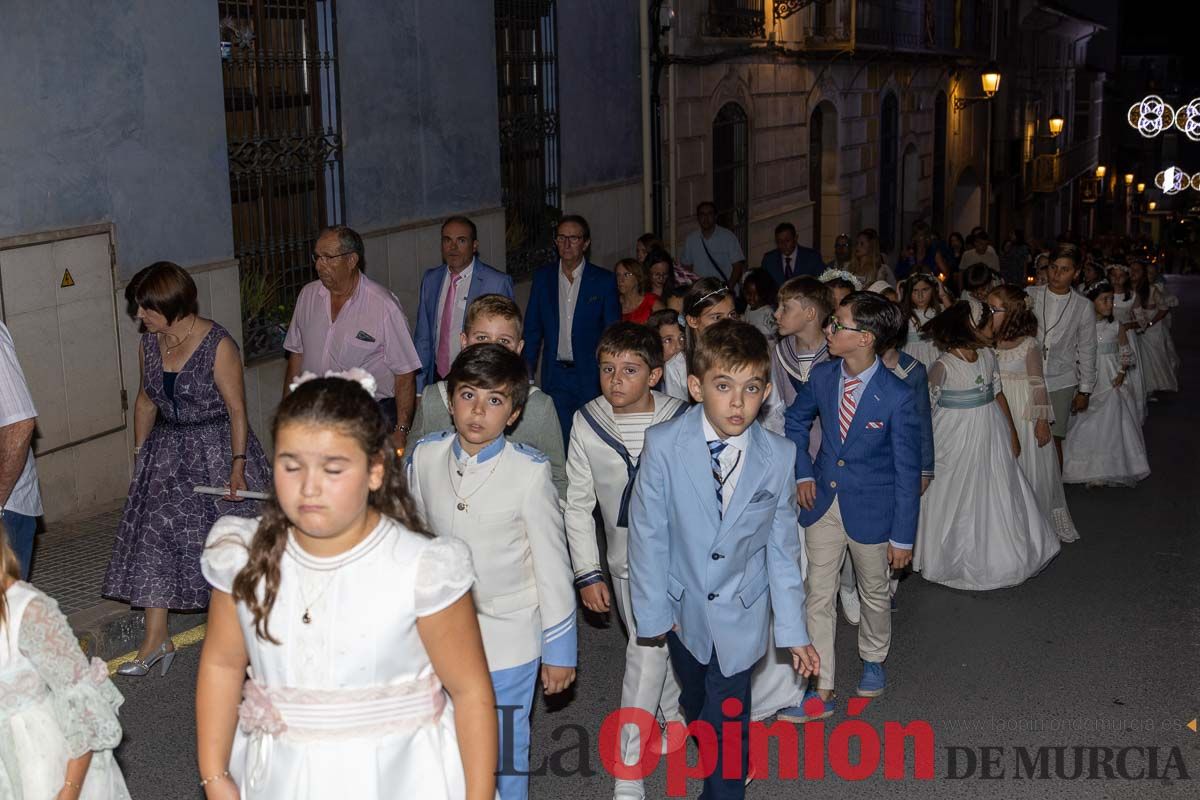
(715, 448)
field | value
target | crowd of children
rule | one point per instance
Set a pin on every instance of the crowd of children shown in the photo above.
(746, 478)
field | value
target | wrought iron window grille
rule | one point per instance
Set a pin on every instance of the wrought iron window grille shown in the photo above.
(735, 19)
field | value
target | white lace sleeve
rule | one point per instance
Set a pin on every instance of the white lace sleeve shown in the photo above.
(444, 574)
(227, 551)
(1039, 406)
(84, 699)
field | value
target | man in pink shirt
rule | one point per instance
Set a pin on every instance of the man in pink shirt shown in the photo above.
(345, 320)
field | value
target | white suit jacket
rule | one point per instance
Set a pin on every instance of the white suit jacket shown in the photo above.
(596, 472)
(524, 594)
(1072, 360)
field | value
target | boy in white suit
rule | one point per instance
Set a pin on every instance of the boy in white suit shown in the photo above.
(498, 497)
(602, 460)
(712, 541)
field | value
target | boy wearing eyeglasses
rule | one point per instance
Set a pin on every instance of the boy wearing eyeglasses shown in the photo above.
(870, 453)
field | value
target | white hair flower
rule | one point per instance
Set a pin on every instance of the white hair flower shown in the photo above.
(830, 274)
(356, 375)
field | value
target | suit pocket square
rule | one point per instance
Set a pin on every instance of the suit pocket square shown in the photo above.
(761, 495)
(364, 336)
(875, 425)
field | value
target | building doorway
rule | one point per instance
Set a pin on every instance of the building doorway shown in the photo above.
(731, 170)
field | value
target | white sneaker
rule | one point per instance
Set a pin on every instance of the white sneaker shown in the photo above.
(629, 790)
(851, 606)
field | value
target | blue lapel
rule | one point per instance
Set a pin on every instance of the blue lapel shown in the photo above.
(873, 396)
(695, 461)
(754, 471)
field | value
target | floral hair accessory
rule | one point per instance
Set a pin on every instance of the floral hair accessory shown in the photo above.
(356, 375)
(830, 274)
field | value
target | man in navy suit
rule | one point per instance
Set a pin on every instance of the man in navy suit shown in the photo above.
(570, 304)
(871, 455)
(789, 259)
(446, 291)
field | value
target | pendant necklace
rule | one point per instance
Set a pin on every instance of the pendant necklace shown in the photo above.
(170, 350)
(1046, 335)
(307, 617)
(462, 499)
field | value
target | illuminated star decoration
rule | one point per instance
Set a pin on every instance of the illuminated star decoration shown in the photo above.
(1151, 116)
(1187, 120)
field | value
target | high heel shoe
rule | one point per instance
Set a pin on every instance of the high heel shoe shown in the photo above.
(138, 667)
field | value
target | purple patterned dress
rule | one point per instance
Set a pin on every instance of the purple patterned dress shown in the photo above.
(156, 557)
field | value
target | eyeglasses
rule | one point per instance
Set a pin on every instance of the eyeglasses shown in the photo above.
(317, 258)
(568, 239)
(833, 324)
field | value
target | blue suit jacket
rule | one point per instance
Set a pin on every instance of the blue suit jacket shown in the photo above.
(913, 372)
(806, 262)
(710, 575)
(877, 470)
(596, 308)
(484, 280)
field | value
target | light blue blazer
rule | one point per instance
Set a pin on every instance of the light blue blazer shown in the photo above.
(484, 280)
(717, 579)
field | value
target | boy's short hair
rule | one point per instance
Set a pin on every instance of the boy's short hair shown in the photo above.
(662, 317)
(877, 315)
(491, 366)
(632, 337)
(492, 305)
(732, 344)
(811, 291)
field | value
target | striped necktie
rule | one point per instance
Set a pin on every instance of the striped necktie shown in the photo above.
(846, 415)
(715, 448)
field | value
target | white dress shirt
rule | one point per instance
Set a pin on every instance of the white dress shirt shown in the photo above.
(568, 295)
(732, 459)
(16, 405)
(460, 307)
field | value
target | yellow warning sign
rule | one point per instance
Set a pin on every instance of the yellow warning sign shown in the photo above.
(67, 279)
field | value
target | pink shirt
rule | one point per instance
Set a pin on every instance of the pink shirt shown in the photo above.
(370, 332)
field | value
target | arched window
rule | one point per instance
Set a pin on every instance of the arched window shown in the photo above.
(731, 170)
(939, 164)
(889, 137)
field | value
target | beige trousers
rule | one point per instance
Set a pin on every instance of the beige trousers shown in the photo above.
(826, 543)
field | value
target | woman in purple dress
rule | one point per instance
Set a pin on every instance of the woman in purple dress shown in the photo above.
(190, 429)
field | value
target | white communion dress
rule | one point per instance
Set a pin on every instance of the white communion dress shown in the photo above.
(921, 349)
(54, 705)
(347, 705)
(1123, 313)
(1028, 401)
(981, 527)
(1104, 444)
(1160, 363)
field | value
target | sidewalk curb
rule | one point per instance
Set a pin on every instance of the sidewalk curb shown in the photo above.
(110, 629)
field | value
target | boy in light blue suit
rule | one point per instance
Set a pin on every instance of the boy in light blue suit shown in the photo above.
(870, 454)
(712, 539)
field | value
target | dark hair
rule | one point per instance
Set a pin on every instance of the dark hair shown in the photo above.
(665, 316)
(906, 305)
(635, 338)
(1140, 287)
(1098, 288)
(661, 256)
(954, 328)
(164, 287)
(704, 294)
(491, 366)
(705, 203)
(878, 316)
(767, 288)
(731, 344)
(1019, 320)
(327, 403)
(461, 220)
(635, 269)
(1068, 251)
(650, 241)
(785, 227)
(492, 305)
(977, 276)
(810, 290)
(578, 220)
(950, 240)
(840, 283)
(349, 242)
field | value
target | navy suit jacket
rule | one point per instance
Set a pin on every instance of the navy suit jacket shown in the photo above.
(806, 261)
(877, 470)
(484, 280)
(596, 308)
(913, 372)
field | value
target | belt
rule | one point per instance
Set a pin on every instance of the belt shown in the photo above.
(565, 364)
(966, 398)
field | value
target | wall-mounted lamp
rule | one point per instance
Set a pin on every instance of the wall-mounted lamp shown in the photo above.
(1152, 205)
(1141, 187)
(1055, 124)
(1101, 170)
(1128, 178)
(990, 80)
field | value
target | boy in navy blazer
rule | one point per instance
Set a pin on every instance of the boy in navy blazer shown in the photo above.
(871, 455)
(571, 302)
(712, 541)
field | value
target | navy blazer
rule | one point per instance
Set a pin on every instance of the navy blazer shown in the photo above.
(806, 262)
(877, 470)
(913, 372)
(596, 308)
(484, 280)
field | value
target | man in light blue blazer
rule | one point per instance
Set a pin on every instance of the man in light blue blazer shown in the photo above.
(452, 287)
(871, 456)
(571, 302)
(713, 546)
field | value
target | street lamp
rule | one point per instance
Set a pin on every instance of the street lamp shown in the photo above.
(1141, 187)
(1152, 205)
(1056, 123)
(1101, 170)
(990, 80)
(1128, 178)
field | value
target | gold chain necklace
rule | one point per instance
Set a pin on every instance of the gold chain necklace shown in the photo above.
(170, 350)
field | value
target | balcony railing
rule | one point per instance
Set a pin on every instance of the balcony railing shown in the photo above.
(735, 19)
(905, 26)
(1054, 171)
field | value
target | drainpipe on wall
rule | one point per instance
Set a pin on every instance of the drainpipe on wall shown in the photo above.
(672, 153)
(647, 177)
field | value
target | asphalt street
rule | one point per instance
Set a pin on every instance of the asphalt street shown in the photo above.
(1099, 651)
